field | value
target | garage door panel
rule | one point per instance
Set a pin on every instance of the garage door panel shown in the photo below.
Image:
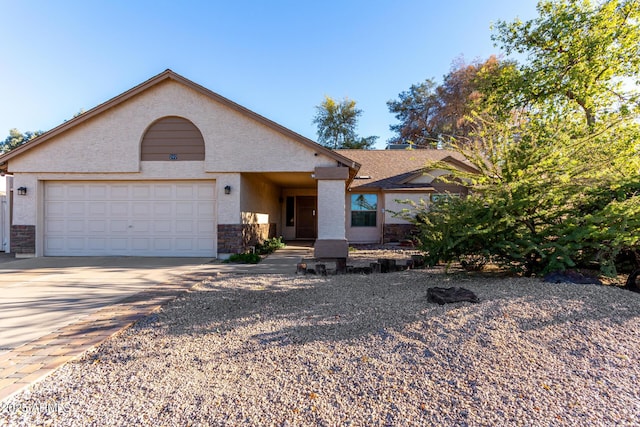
(205, 245)
(186, 192)
(98, 208)
(205, 227)
(140, 244)
(119, 192)
(55, 208)
(55, 226)
(206, 192)
(163, 209)
(56, 190)
(77, 226)
(118, 226)
(162, 244)
(117, 245)
(165, 226)
(76, 243)
(183, 226)
(184, 209)
(96, 243)
(96, 192)
(205, 210)
(130, 218)
(141, 191)
(54, 244)
(96, 226)
(184, 244)
(163, 192)
(75, 192)
(119, 209)
(76, 209)
(142, 209)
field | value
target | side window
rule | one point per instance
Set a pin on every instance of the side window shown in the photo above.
(290, 211)
(442, 197)
(364, 208)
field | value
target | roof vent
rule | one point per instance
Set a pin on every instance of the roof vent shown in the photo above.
(363, 177)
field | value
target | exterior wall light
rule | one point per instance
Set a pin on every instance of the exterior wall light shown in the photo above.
(227, 189)
(22, 191)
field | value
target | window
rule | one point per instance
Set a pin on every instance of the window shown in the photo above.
(290, 211)
(443, 197)
(364, 208)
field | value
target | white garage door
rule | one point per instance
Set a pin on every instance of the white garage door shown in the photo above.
(130, 218)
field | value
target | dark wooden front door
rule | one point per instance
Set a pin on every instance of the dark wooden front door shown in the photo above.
(306, 217)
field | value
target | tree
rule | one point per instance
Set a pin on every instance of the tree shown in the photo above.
(415, 110)
(470, 88)
(337, 122)
(431, 114)
(578, 51)
(558, 182)
(17, 138)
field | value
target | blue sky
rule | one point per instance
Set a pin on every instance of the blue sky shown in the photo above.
(277, 58)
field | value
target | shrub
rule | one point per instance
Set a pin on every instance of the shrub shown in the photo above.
(270, 246)
(246, 258)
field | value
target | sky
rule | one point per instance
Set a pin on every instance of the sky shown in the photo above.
(277, 58)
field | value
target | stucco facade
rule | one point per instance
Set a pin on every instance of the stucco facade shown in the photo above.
(386, 181)
(248, 179)
(250, 161)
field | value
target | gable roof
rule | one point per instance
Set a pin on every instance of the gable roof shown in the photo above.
(154, 81)
(395, 169)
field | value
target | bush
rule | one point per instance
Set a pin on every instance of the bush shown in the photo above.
(270, 246)
(264, 248)
(247, 258)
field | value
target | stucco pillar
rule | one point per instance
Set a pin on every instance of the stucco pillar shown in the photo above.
(332, 240)
(228, 215)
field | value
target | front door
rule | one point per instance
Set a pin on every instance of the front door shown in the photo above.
(306, 224)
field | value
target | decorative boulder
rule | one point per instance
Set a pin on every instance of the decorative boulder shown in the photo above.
(633, 281)
(570, 276)
(449, 295)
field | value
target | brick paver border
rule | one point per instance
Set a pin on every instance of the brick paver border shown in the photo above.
(33, 361)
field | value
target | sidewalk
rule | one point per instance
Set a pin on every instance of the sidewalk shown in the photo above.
(35, 360)
(282, 261)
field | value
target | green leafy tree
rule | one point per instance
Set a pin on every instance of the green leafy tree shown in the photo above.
(578, 51)
(541, 201)
(17, 138)
(337, 122)
(558, 176)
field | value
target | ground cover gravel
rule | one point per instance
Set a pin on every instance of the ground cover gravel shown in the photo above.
(358, 350)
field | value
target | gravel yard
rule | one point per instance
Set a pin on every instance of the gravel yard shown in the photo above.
(358, 350)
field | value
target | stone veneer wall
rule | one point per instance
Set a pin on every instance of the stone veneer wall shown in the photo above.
(252, 234)
(229, 238)
(236, 238)
(23, 239)
(398, 232)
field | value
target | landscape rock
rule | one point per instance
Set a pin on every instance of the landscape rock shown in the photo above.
(449, 295)
(571, 276)
(632, 281)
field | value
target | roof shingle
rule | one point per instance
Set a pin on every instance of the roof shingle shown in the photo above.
(391, 169)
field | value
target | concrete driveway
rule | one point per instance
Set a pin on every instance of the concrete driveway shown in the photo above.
(41, 295)
(54, 309)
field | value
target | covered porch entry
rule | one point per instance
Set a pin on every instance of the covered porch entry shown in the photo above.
(294, 205)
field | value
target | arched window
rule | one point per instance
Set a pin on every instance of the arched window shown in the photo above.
(172, 138)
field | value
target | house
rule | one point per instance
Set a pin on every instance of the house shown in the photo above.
(385, 179)
(170, 168)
